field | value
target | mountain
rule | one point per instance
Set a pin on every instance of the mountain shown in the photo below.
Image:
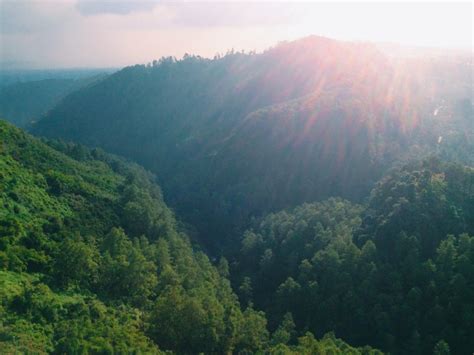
(22, 103)
(242, 135)
(93, 261)
(330, 183)
(16, 76)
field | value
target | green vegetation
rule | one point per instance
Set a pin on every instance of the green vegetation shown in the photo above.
(331, 186)
(24, 102)
(92, 261)
(243, 135)
(398, 275)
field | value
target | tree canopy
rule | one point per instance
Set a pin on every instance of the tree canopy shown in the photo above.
(93, 261)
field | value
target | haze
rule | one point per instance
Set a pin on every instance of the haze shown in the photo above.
(83, 33)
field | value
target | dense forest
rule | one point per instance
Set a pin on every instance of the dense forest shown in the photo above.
(321, 201)
(397, 274)
(247, 134)
(92, 261)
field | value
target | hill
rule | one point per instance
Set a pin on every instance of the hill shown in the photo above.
(22, 103)
(396, 274)
(93, 261)
(246, 134)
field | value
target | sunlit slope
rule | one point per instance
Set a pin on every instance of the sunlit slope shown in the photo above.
(261, 131)
(90, 257)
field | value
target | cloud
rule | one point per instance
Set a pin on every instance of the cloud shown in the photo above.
(115, 7)
(72, 33)
(20, 17)
(235, 14)
(30, 17)
(201, 14)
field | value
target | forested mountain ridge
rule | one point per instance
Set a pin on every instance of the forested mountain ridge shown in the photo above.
(92, 261)
(330, 183)
(21, 103)
(246, 134)
(16, 76)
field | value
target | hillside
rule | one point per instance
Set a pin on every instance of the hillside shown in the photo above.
(330, 184)
(92, 261)
(22, 103)
(246, 134)
(16, 76)
(397, 274)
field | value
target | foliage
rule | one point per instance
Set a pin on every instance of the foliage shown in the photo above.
(243, 135)
(92, 261)
(67, 221)
(397, 275)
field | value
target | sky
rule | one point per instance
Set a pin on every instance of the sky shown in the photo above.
(116, 33)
